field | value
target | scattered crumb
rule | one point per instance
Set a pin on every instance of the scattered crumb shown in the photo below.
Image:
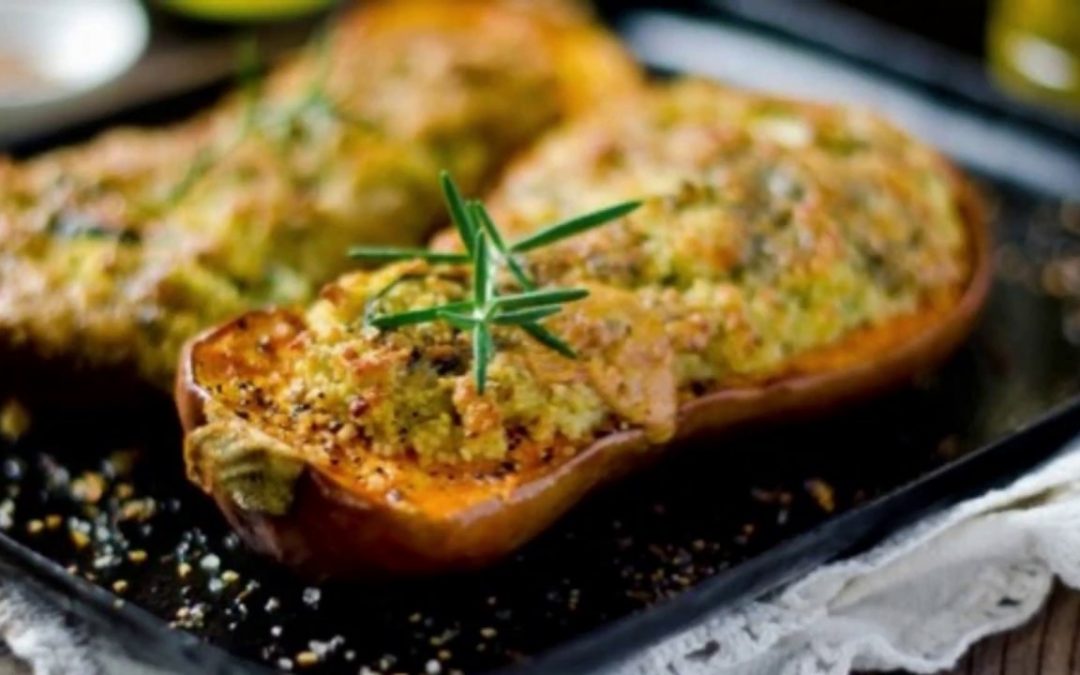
(88, 488)
(311, 597)
(122, 463)
(120, 586)
(79, 539)
(822, 493)
(249, 588)
(323, 649)
(139, 510)
(191, 616)
(442, 638)
(306, 659)
(7, 514)
(103, 561)
(950, 446)
(14, 420)
(35, 526)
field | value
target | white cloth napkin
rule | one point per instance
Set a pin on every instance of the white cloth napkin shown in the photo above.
(916, 602)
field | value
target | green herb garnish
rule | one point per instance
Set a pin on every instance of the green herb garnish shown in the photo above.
(248, 67)
(317, 98)
(486, 251)
(257, 118)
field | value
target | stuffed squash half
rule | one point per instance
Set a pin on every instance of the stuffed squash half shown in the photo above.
(115, 252)
(782, 257)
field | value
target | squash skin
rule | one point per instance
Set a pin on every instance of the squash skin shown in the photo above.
(334, 529)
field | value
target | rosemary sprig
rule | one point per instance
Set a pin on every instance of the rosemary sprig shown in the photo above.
(487, 251)
(317, 98)
(204, 160)
(256, 118)
(470, 216)
(248, 66)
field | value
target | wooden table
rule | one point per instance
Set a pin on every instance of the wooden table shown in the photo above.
(1049, 644)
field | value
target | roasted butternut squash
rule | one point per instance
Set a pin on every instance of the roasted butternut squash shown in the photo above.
(787, 258)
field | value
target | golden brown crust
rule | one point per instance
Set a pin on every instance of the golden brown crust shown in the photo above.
(332, 527)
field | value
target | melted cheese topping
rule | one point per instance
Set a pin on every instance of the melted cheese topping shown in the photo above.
(770, 229)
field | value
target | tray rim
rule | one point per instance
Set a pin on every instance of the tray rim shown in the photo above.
(993, 464)
(850, 532)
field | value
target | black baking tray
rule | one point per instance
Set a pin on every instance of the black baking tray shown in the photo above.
(102, 522)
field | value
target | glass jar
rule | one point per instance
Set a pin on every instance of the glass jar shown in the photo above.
(1034, 49)
(245, 10)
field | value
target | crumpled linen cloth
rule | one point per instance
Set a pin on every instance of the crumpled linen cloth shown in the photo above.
(916, 602)
(37, 637)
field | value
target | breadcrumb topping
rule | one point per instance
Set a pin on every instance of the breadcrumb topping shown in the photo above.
(771, 230)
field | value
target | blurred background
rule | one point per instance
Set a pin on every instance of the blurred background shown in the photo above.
(62, 61)
(1029, 49)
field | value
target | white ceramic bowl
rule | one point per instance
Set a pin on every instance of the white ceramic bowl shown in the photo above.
(56, 50)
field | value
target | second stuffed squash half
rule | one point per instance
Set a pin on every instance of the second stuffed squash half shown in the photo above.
(115, 252)
(782, 258)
